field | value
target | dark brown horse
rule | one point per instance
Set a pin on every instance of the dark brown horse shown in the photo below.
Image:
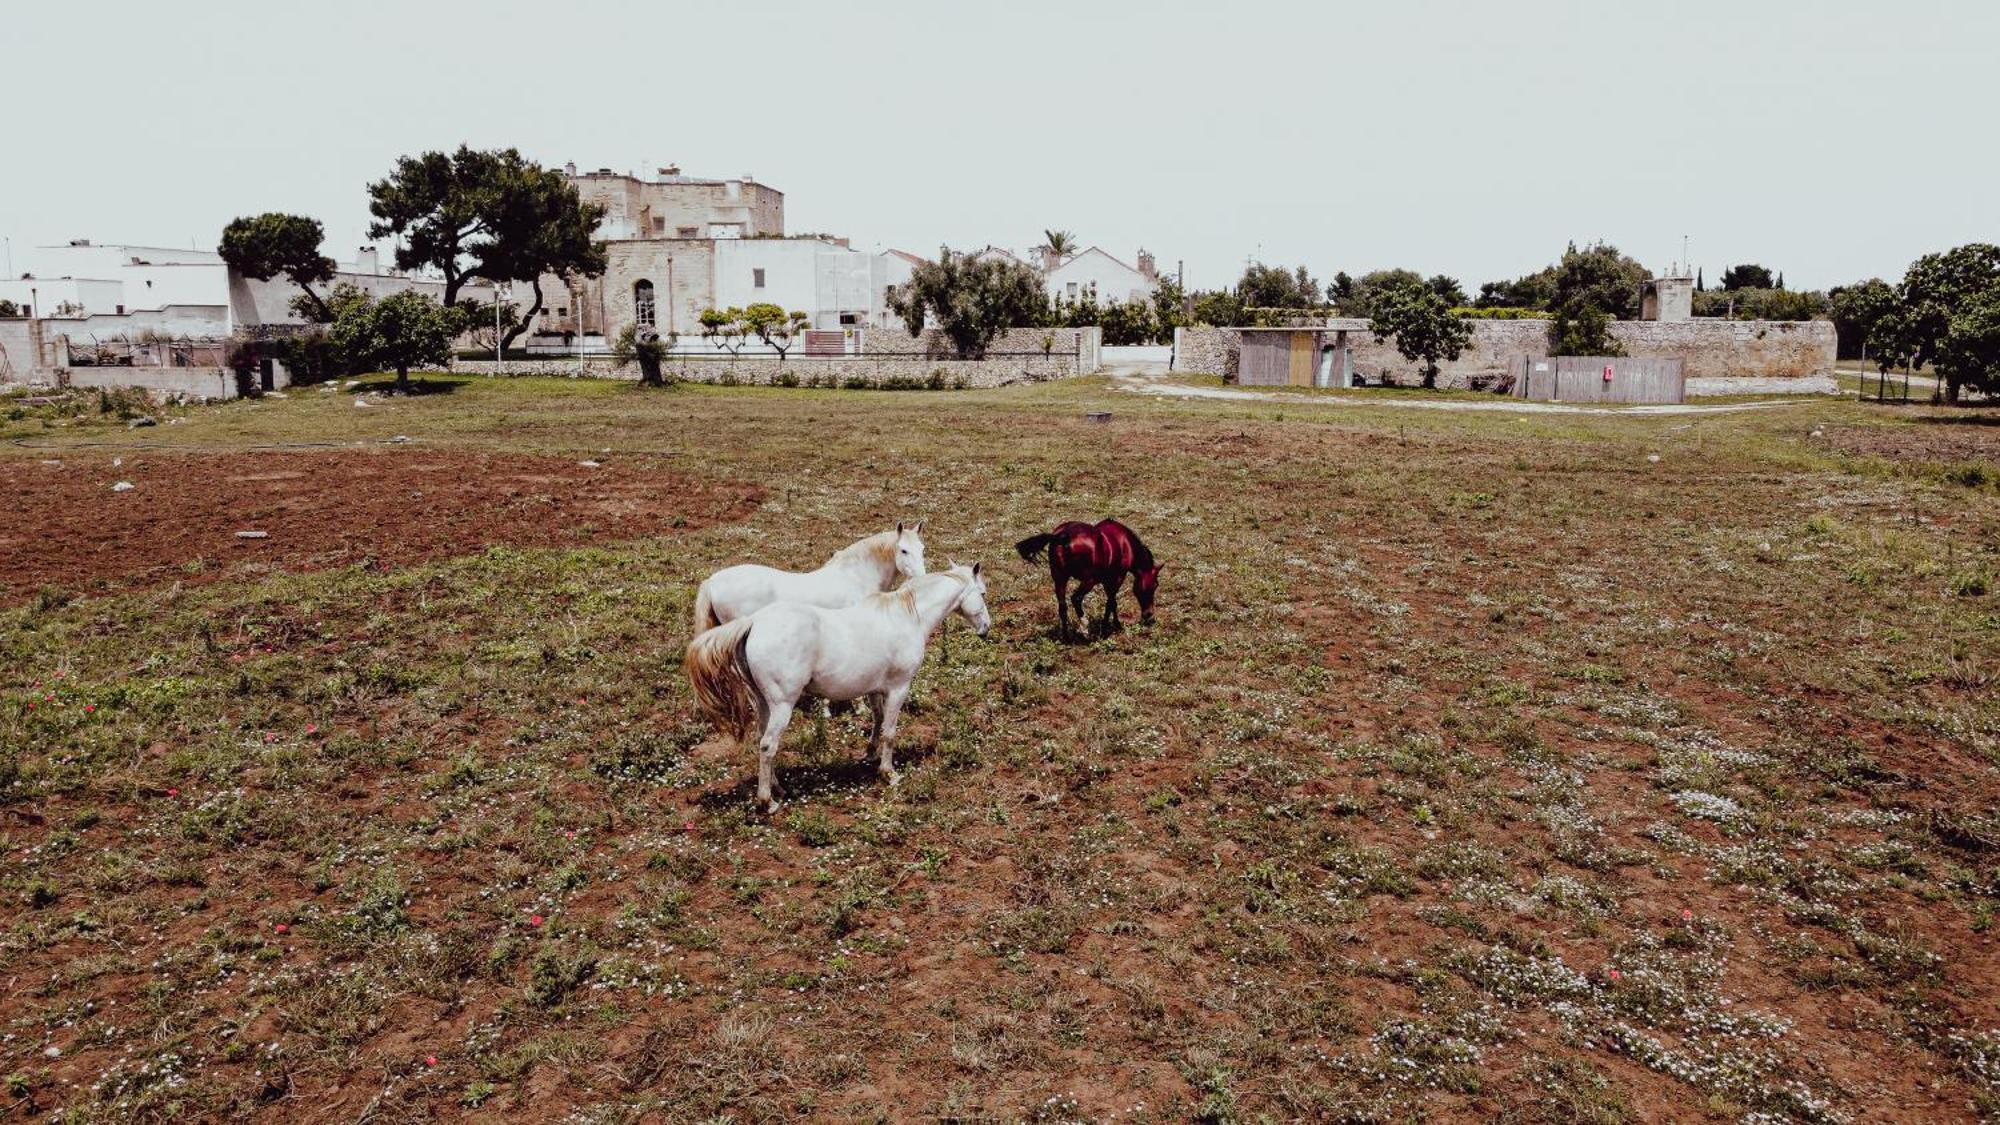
(1092, 555)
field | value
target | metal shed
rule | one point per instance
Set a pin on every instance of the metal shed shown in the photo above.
(1294, 357)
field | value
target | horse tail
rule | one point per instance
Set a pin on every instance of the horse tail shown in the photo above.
(1034, 546)
(704, 611)
(717, 667)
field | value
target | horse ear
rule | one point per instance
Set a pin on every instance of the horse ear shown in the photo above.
(919, 529)
(975, 569)
(899, 527)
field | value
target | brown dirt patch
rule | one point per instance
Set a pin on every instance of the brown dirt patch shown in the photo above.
(1936, 437)
(319, 510)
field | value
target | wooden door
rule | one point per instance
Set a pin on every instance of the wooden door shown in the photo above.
(1301, 373)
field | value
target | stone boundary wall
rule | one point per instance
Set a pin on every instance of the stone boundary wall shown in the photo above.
(763, 370)
(1773, 356)
(1083, 344)
(1015, 356)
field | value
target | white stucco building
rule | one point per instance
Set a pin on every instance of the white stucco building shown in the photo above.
(1096, 274)
(85, 289)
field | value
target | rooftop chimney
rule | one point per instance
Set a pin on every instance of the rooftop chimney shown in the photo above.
(1146, 266)
(671, 170)
(569, 169)
(367, 261)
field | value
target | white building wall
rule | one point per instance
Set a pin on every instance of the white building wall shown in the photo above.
(1093, 270)
(821, 279)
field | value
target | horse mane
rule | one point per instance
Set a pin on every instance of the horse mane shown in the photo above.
(877, 548)
(906, 595)
(1142, 555)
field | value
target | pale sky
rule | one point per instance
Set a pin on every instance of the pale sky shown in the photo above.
(1830, 139)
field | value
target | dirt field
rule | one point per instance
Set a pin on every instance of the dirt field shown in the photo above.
(1480, 767)
(318, 508)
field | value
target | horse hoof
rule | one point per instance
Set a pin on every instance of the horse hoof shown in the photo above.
(770, 806)
(892, 777)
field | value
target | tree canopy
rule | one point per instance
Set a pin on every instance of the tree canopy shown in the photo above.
(491, 214)
(1748, 276)
(1422, 322)
(1274, 287)
(1941, 314)
(970, 300)
(402, 330)
(1856, 309)
(264, 246)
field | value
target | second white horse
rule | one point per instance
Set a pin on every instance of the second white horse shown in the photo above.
(766, 661)
(863, 567)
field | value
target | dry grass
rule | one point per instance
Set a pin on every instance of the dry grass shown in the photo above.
(1478, 768)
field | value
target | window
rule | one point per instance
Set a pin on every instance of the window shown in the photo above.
(689, 232)
(1072, 290)
(756, 279)
(563, 311)
(642, 303)
(659, 224)
(848, 320)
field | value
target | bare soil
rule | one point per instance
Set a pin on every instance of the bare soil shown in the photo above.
(318, 509)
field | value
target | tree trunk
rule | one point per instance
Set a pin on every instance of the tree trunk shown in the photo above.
(649, 371)
(403, 378)
(319, 305)
(534, 310)
(1951, 390)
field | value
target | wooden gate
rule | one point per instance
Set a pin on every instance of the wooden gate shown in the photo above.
(1265, 359)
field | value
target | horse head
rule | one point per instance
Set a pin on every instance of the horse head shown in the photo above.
(909, 558)
(972, 603)
(1144, 584)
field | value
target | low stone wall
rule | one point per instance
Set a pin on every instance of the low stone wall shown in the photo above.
(1084, 345)
(209, 384)
(1779, 356)
(1016, 356)
(808, 370)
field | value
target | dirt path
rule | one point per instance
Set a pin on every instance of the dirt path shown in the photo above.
(1140, 379)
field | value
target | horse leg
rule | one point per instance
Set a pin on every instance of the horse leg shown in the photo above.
(876, 705)
(1062, 606)
(1076, 601)
(892, 710)
(1111, 622)
(777, 714)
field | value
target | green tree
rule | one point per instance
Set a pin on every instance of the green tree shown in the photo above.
(492, 214)
(970, 300)
(773, 325)
(1340, 290)
(1969, 354)
(1581, 330)
(273, 243)
(9, 308)
(1600, 277)
(1747, 276)
(1216, 308)
(1421, 320)
(1274, 287)
(1449, 289)
(1169, 309)
(403, 330)
(1370, 287)
(538, 226)
(645, 347)
(1936, 289)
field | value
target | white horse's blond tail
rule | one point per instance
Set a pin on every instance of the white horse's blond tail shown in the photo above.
(704, 611)
(721, 680)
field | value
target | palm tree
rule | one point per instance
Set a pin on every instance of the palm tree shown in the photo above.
(1056, 245)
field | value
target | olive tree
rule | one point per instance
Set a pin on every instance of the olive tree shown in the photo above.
(970, 300)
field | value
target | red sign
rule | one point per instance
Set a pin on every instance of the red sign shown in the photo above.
(1607, 373)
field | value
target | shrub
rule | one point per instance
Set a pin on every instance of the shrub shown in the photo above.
(784, 379)
(727, 379)
(857, 383)
(936, 380)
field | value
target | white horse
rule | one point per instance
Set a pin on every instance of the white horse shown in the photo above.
(863, 567)
(866, 651)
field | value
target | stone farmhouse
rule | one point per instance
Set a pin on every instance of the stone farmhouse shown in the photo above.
(676, 245)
